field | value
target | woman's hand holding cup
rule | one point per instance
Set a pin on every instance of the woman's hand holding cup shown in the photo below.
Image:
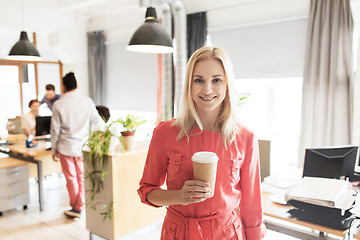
(194, 191)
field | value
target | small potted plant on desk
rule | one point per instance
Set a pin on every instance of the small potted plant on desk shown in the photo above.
(130, 125)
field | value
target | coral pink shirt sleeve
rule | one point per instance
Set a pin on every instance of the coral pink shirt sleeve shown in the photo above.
(155, 166)
(250, 204)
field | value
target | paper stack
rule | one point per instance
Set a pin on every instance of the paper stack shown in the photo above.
(326, 192)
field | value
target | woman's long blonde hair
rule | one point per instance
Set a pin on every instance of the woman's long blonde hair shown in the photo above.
(188, 118)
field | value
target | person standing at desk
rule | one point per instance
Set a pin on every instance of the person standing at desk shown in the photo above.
(73, 117)
(29, 119)
(50, 96)
(206, 122)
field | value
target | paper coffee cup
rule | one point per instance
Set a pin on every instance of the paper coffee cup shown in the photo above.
(205, 165)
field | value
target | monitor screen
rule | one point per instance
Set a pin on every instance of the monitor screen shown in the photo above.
(333, 162)
(42, 126)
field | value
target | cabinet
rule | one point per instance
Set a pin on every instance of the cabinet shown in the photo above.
(14, 184)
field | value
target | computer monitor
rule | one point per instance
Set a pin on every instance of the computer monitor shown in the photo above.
(332, 162)
(42, 126)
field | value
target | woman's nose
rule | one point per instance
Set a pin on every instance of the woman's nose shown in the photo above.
(207, 88)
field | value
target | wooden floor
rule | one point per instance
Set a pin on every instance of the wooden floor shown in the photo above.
(52, 224)
(31, 224)
(48, 224)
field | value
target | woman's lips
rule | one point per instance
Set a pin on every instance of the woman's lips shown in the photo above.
(207, 98)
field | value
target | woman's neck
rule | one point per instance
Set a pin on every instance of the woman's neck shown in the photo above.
(209, 121)
(35, 113)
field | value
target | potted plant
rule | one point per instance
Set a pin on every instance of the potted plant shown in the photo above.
(129, 125)
(96, 159)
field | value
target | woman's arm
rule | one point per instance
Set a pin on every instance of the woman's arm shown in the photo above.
(155, 171)
(193, 191)
(250, 205)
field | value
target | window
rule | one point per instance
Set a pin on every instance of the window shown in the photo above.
(272, 110)
(20, 82)
(9, 89)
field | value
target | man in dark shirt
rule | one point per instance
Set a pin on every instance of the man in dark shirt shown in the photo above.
(50, 96)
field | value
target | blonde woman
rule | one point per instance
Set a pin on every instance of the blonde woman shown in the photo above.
(206, 122)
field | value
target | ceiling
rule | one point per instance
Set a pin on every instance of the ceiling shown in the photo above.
(47, 15)
(93, 8)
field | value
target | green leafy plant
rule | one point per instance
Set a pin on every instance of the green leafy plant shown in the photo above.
(97, 158)
(131, 123)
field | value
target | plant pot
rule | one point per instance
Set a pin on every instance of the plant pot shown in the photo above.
(128, 140)
(128, 133)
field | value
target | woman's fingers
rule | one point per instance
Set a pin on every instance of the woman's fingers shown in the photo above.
(197, 189)
(195, 200)
(196, 186)
(194, 191)
(196, 183)
(197, 195)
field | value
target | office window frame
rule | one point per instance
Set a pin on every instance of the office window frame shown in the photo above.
(20, 65)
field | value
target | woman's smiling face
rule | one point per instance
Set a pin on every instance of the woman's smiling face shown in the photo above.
(208, 85)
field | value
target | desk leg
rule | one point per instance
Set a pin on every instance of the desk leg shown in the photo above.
(41, 195)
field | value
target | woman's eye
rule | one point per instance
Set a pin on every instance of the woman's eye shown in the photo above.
(217, 80)
(198, 80)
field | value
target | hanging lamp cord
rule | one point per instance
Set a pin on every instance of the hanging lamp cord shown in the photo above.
(22, 15)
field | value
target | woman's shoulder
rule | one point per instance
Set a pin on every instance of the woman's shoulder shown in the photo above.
(242, 130)
(166, 126)
(29, 115)
(164, 133)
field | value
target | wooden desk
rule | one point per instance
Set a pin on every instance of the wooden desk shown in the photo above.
(279, 212)
(39, 156)
(10, 162)
(39, 153)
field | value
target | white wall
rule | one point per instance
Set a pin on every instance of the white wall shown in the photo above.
(132, 79)
(274, 49)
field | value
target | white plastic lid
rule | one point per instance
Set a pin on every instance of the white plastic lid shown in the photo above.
(205, 157)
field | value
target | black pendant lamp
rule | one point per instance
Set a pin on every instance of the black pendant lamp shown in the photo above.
(24, 49)
(151, 37)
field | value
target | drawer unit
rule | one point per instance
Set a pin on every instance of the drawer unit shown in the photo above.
(14, 174)
(14, 184)
(14, 188)
(12, 202)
